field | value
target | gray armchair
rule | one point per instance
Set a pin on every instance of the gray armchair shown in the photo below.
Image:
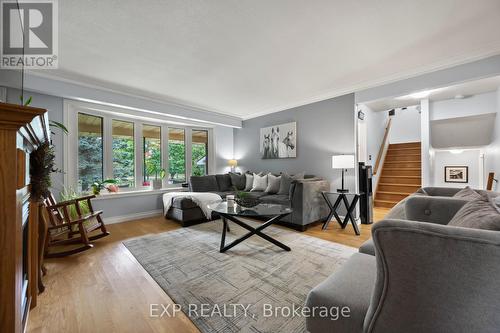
(424, 278)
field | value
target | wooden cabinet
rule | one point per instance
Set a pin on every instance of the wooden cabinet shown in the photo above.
(22, 129)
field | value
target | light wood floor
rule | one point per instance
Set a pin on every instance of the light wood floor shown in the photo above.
(107, 290)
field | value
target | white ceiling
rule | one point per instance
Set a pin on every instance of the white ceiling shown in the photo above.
(462, 90)
(252, 57)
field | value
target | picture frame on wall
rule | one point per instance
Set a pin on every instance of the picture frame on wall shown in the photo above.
(279, 141)
(456, 174)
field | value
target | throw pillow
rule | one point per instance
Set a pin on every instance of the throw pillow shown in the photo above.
(479, 214)
(224, 182)
(273, 184)
(238, 181)
(259, 183)
(467, 194)
(248, 182)
(286, 182)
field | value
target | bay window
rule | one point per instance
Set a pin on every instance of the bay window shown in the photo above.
(90, 150)
(123, 153)
(151, 139)
(106, 144)
(176, 156)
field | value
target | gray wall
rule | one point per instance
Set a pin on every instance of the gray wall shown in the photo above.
(324, 129)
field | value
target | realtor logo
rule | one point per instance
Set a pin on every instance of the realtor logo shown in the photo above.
(29, 34)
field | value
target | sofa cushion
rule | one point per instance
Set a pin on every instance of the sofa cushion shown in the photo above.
(273, 184)
(259, 183)
(350, 286)
(467, 194)
(367, 247)
(238, 181)
(479, 214)
(224, 182)
(183, 203)
(280, 199)
(203, 183)
(256, 194)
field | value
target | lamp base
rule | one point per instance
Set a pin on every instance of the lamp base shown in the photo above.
(341, 190)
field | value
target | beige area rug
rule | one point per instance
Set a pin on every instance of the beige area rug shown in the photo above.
(237, 291)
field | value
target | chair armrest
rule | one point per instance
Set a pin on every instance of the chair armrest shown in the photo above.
(87, 197)
(307, 202)
(434, 278)
(438, 210)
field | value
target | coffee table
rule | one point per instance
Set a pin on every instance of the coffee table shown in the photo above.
(274, 212)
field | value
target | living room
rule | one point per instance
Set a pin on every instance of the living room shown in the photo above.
(249, 167)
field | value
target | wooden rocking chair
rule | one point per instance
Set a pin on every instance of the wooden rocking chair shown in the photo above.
(64, 229)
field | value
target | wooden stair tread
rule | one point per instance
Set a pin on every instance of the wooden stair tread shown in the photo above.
(402, 148)
(403, 168)
(391, 192)
(386, 201)
(415, 177)
(393, 184)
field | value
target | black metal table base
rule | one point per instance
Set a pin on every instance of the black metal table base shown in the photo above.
(342, 198)
(252, 231)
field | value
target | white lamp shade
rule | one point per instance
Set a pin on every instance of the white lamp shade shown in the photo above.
(343, 162)
(232, 163)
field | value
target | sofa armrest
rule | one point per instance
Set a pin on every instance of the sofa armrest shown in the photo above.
(434, 278)
(438, 210)
(307, 202)
(440, 191)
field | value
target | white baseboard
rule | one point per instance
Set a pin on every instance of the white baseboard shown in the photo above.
(135, 216)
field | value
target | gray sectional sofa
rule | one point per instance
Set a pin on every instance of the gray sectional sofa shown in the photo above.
(304, 197)
(417, 274)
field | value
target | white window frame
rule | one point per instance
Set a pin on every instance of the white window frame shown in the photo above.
(70, 143)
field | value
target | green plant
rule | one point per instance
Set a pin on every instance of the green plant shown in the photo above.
(159, 173)
(97, 186)
(69, 193)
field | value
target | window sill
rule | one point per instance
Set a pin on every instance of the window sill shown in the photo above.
(106, 196)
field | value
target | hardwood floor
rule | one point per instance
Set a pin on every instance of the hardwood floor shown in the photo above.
(107, 290)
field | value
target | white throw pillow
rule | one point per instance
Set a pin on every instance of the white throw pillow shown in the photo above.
(248, 182)
(273, 184)
(259, 183)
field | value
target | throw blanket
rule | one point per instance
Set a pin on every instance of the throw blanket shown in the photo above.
(202, 199)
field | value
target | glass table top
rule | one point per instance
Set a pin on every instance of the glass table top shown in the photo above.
(262, 209)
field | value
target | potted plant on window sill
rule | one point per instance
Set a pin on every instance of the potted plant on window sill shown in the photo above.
(160, 174)
(97, 186)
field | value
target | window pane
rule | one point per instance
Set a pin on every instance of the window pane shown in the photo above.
(176, 156)
(200, 153)
(123, 153)
(90, 158)
(151, 138)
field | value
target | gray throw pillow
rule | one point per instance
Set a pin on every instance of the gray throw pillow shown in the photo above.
(238, 181)
(224, 182)
(259, 183)
(248, 182)
(273, 184)
(481, 213)
(467, 194)
(286, 182)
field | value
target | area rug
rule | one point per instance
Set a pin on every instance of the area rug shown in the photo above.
(252, 287)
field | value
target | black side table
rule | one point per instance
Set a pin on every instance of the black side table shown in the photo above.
(342, 198)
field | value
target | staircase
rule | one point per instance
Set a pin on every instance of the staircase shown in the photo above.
(401, 174)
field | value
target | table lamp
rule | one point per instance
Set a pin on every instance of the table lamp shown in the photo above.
(232, 164)
(343, 162)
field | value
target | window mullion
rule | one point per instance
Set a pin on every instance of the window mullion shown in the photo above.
(188, 140)
(164, 153)
(107, 148)
(139, 154)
